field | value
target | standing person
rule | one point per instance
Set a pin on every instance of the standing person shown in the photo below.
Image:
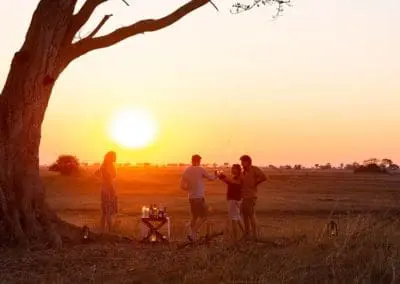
(108, 195)
(252, 177)
(234, 197)
(193, 182)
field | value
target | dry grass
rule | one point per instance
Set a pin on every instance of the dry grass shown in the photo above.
(293, 211)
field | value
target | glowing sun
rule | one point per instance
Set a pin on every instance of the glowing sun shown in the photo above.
(133, 128)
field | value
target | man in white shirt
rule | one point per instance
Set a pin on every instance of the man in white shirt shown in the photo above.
(193, 182)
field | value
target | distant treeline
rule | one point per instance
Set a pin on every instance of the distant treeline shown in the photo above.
(70, 165)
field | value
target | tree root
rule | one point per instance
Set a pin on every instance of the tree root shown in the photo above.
(72, 235)
(54, 233)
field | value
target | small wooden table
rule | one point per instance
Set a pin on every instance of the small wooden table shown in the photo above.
(154, 225)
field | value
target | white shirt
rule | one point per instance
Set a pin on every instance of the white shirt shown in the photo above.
(193, 181)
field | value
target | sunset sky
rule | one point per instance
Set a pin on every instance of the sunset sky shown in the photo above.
(320, 84)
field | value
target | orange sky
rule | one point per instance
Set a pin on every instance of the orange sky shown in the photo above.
(319, 84)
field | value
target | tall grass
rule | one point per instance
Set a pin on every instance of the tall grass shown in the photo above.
(294, 246)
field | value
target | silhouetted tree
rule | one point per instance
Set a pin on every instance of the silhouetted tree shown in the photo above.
(49, 47)
(349, 167)
(371, 161)
(328, 166)
(66, 165)
(386, 163)
(370, 168)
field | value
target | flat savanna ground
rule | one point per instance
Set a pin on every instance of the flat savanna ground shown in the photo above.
(293, 210)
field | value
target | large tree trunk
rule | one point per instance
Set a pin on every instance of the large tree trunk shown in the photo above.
(24, 215)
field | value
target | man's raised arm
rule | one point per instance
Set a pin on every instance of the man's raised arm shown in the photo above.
(208, 176)
(230, 180)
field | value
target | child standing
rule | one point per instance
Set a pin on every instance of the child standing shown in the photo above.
(234, 197)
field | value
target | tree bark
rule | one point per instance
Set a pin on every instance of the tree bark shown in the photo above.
(24, 214)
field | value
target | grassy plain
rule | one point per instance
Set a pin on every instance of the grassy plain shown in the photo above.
(293, 210)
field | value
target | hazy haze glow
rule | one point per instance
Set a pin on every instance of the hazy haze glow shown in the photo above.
(319, 84)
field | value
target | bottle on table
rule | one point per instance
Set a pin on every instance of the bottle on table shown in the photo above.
(160, 212)
(155, 211)
(143, 211)
(151, 211)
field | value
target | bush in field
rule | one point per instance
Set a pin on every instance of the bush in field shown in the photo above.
(351, 167)
(370, 168)
(298, 167)
(389, 165)
(66, 165)
(327, 166)
(375, 165)
(287, 167)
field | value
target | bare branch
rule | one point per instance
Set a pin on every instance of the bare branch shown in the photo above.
(126, 3)
(239, 7)
(81, 18)
(149, 25)
(100, 25)
(215, 6)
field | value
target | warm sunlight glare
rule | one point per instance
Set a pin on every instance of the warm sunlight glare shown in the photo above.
(133, 128)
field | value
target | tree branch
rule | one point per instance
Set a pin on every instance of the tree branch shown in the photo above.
(89, 44)
(239, 7)
(81, 18)
(126, 3)
(100, 25)
(215, 6)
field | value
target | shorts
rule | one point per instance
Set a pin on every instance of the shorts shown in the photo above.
(198, 208)
(234, 210)
(248, 207)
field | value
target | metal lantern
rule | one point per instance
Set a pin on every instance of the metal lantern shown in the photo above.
(333, 229)
(85, 232)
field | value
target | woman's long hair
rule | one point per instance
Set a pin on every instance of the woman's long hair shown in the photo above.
(109, 159)
(107, 169)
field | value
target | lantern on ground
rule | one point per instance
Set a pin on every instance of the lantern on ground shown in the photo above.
(85, 232)
(332, 229)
